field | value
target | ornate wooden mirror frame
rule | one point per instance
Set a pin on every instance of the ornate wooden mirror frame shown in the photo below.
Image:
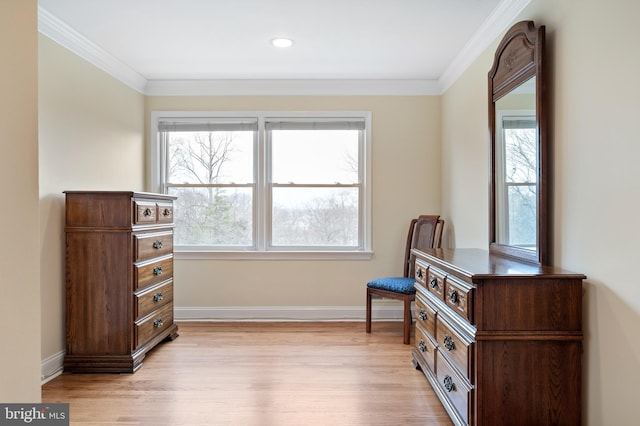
(518, 205)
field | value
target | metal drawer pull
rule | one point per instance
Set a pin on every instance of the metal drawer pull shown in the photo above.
(448, 383)
(419, 273)
(166, 212)
(157, 323)
(434, 283)
(422, 346)
(449, 343)
(147, 211)
(453, 297)
(158, 296)
(157, 270)
(157, 244)
(423, 315)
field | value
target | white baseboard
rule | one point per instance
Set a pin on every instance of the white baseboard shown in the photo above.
(382, 310)
(51, 367)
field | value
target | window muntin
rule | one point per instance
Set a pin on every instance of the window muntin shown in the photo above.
(298, 182)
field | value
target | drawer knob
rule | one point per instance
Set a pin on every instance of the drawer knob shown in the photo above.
(449, 343)
(157, 323)
(158, 296)
(453, 297)
(434, 283)
(157, 270)
(422, 346)
(166, 212)
(419, 273)
(448, 383)
(147, 212)
(157, 244)
(423, 315)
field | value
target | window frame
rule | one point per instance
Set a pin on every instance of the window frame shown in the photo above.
(262, 212)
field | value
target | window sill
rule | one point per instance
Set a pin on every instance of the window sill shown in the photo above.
(272, 255)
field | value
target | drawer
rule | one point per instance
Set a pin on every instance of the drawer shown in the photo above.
(148, 246)
(459, 297)
(426, 346)
(435, 282)
(165, 212)
(151, 325)
(456, 347)
(153, 297)
(425, 315)
(153, 272)
(456, 389)
(144, 212)
(421, 270)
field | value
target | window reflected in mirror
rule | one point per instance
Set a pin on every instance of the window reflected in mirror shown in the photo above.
(516, 167)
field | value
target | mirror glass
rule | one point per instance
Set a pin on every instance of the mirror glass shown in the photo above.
(516, 167)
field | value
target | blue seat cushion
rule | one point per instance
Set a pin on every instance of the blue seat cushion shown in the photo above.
(396, 284)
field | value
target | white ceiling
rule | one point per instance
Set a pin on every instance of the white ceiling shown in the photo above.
(165, 45)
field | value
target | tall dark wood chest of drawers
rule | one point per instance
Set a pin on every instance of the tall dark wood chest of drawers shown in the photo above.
(119, 278)
(499, 340)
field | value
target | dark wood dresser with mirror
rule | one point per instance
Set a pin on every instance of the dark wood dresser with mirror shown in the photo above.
(119, 278)
(500, 340)
(498, 333)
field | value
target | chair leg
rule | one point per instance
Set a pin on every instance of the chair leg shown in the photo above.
(368, 319)
(407, 321)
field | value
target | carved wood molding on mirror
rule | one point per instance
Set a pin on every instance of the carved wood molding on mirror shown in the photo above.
(518, 204)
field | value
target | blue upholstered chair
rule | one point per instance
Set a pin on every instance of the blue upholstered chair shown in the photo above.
(424, 232)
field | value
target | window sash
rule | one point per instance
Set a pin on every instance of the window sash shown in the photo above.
(329, 123)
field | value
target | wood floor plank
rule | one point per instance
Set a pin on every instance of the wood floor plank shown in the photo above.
(261, 374)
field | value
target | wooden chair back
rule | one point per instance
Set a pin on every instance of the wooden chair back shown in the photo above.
(424, 232)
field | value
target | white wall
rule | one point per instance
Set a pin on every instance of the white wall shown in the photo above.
(594, 90)
(91, 136)
(19, 251)
(406, 183)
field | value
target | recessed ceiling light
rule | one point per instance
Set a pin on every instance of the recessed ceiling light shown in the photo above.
(282, 42)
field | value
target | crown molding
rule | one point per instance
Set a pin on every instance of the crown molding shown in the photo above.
(499, 20)
(495, 24)
(291, 87)
(51, 26)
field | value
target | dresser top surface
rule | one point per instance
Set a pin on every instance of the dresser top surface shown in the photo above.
(478, 263)
(133, 194)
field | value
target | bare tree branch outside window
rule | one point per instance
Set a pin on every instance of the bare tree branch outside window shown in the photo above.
(310, 194)
(520, 184)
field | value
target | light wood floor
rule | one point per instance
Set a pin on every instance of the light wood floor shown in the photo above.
(263, 374)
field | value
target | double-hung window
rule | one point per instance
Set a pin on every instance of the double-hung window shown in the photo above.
(266, 184)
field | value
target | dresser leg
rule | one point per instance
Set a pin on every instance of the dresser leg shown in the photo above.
(173, 335)
(415, 364)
